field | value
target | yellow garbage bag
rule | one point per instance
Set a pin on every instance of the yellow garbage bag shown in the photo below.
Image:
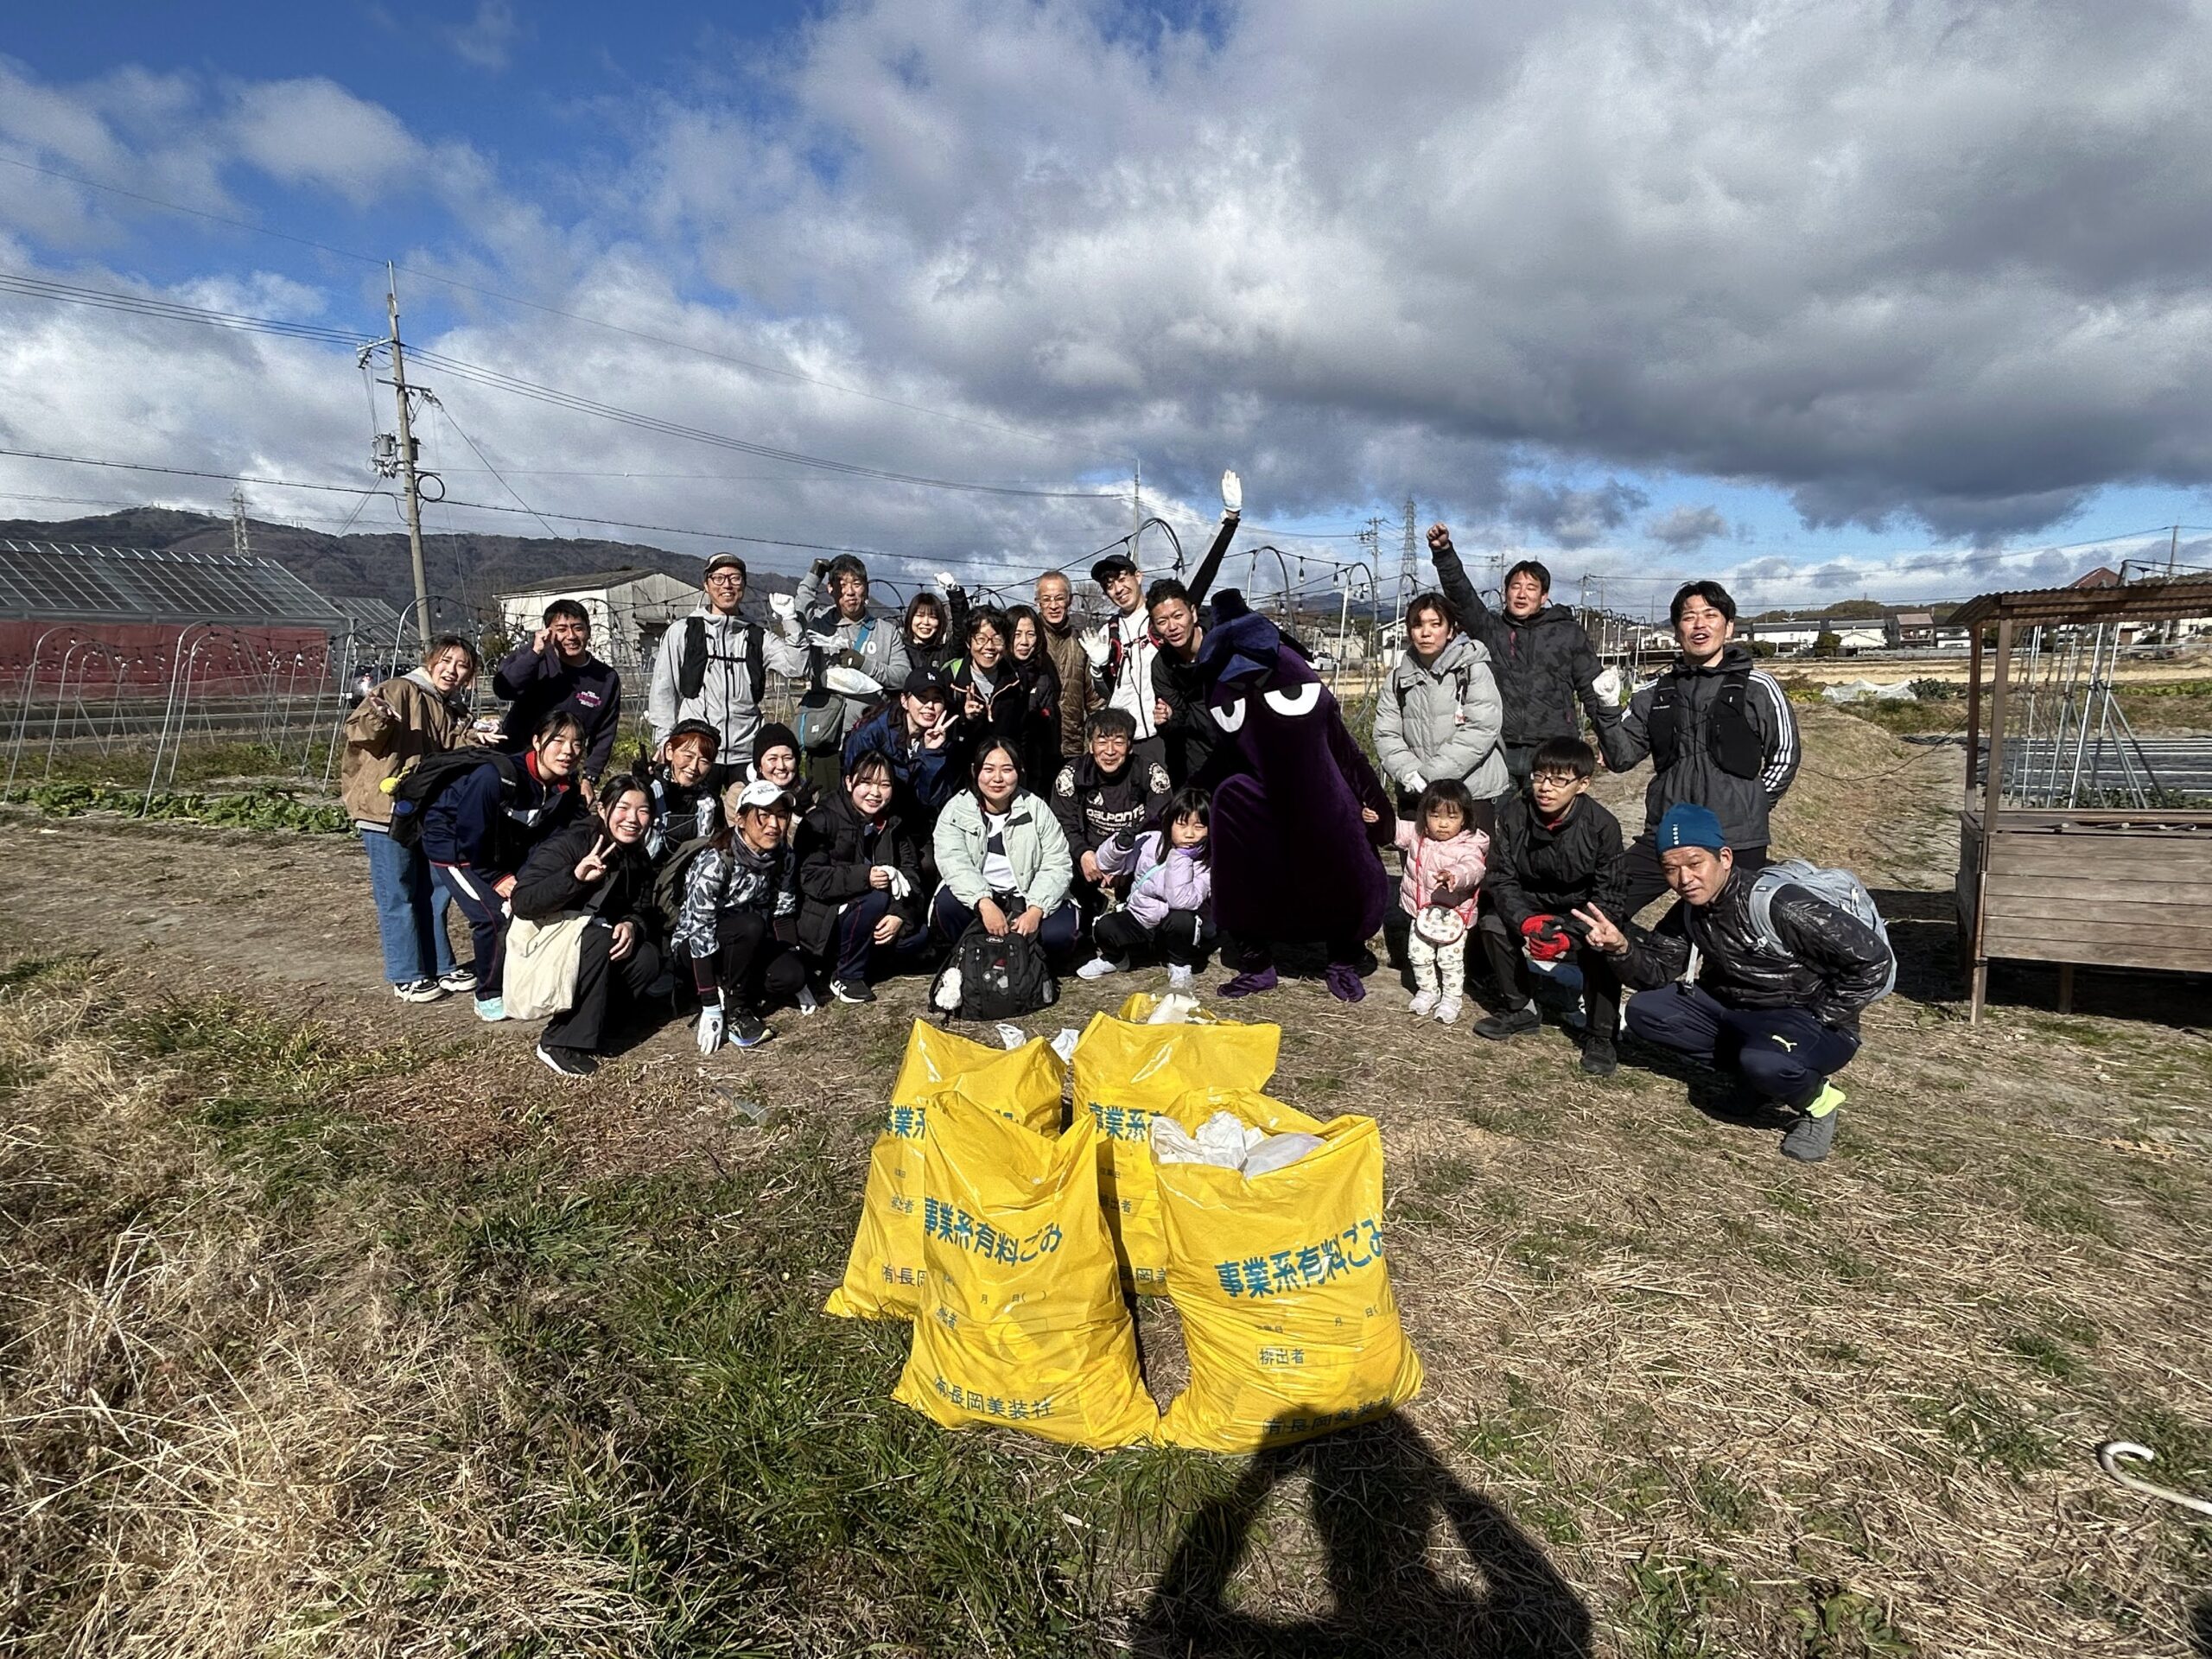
(884, 1272)
(1124, 1072)
(1284, 1296)
(1021, 1321)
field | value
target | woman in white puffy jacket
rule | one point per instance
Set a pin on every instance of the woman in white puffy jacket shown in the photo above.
(1439, 716)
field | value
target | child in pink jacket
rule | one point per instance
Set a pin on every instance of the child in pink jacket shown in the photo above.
(1170, 907)
(1444, 862)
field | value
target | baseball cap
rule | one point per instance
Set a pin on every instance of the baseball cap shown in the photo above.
(719, 561)
(1112, 565)
(762, 793)
(922, 681)
(1687, 824)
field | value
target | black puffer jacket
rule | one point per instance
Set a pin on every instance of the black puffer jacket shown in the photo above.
(1538, 870)
(1541, 666)
(546, 885)
(836, 848)
(1834, 965)
(1696, 762)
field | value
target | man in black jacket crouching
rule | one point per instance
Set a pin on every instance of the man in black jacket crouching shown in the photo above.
(1778, 1005)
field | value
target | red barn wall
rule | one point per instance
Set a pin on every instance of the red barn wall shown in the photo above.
(231, 660)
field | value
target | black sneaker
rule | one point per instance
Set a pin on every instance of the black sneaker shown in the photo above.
(1598, 1056)
(748, 1029)
(851, 990)
(1498, 1027)
(569, 1062)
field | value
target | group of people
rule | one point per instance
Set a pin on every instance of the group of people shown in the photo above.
(1169, 782)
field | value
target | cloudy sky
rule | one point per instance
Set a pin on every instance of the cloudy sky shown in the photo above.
(1908, 297)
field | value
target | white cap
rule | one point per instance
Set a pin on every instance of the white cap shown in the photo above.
(762, 793)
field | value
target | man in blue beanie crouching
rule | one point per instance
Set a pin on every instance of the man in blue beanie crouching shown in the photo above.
(1769, 971)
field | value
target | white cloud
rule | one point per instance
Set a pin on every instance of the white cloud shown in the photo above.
(488, 39)
(315, 132)
(1932, 266)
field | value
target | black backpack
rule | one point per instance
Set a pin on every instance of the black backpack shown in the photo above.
(1001, 978)
(691, 666)
(417, 786)
(1731, 738)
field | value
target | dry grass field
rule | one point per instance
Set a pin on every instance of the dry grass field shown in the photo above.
(337, 1327)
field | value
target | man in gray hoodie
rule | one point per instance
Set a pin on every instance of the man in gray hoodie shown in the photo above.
(712, 665)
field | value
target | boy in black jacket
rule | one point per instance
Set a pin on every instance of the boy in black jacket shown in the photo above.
(1556, 851)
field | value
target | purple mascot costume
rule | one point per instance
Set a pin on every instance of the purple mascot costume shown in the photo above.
(1293, 861)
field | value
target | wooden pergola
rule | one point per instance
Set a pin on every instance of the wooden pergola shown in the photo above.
(2102, 887)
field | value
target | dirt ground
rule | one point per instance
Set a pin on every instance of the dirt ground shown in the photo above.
(1745, 1406)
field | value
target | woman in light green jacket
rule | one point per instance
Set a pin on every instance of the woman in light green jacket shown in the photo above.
(1003, 859)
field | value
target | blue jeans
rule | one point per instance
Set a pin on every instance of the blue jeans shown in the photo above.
(411, 911)
(1784, 1054)
(486, 914)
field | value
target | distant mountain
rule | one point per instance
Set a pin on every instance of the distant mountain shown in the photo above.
(464, 568)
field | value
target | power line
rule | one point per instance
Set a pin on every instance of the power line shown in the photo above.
(460, 368)
(534, 305)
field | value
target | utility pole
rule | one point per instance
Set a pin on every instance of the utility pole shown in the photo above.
(1136, 504)
(239, 544)
(407, 463)
(1409, 564)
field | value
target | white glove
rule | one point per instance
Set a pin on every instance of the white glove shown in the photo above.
(943, 580)
(784, 607)
(900, 887)
(1607, 685)
(1232, 494)
(849, 682)
(1415, 782)
(1093, 641)
(710, 1029)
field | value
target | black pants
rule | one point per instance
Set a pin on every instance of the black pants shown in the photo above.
(1784, 1054)
(1647, 880)
(751, 968)
(1184, 938)
(600, 984)
(1601, 986)
(949, 918)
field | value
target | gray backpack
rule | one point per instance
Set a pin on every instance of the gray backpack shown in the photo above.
(1840, 888)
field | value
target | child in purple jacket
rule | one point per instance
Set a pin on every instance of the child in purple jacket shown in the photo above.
(1170, 905)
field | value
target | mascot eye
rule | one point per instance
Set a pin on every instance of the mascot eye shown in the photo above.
(1302, 700)
(1230, 719)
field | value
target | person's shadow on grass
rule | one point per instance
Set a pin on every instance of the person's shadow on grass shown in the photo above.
(1377, 1493)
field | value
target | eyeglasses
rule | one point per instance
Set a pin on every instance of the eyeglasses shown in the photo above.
(725, 579)
(1556, 779)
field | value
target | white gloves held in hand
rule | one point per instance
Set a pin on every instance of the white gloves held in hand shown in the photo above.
(1415, 782)
(899, 886)
(1093, 641)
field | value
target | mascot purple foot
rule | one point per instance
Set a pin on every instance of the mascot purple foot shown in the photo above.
(1294, 859)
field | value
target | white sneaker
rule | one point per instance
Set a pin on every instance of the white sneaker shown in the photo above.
(1181, 976)
(1423, 1003)
(421, 990)
(1447, 1011)
(1099, 967)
